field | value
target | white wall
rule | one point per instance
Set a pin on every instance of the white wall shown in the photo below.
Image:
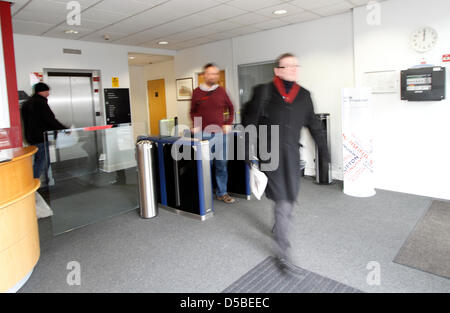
(34, 53)
(165, 70)
(325, 51)
(138, 96)
(411, 150)
(190, 61)
(139, 75)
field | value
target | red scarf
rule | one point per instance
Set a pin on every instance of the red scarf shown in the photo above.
(288, 97)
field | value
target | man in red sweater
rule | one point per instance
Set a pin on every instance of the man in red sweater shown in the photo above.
(211, 103)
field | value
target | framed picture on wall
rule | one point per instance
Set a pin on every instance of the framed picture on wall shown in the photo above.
(184, 87)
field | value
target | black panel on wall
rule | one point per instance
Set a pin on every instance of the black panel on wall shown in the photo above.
(117, 106)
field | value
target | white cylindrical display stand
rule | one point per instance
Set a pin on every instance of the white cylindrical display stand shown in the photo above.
(357, 127)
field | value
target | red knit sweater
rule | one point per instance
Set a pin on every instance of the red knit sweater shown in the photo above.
(211, 106)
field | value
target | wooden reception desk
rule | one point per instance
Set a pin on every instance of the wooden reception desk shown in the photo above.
(19, 237)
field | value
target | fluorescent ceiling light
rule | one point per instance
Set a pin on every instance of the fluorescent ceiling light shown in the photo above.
(163, 43)
(131, 57)
(71, 31)
(279, 12)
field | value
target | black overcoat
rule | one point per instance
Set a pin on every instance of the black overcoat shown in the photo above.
(267, 107)
(37, 118)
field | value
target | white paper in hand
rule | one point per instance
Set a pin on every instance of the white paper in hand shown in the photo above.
(258, 182)
(66, 140)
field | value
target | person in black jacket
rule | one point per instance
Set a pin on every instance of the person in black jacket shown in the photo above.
(284, 104)
(38, 118)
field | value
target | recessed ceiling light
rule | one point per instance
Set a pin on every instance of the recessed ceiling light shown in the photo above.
(163, 43)
(131, 58)
(279, 12)
(71, 31)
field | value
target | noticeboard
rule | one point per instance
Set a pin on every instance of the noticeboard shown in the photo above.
(117, 105)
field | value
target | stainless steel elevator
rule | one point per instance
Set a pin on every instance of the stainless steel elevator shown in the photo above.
(72, 100)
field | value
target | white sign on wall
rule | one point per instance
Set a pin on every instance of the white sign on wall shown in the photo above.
(357, 142)
(4, 104)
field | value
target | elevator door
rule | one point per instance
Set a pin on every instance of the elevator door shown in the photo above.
(71, 100)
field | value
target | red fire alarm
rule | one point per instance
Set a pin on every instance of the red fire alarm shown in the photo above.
(96, 90)
(446, 58)
(96, 79)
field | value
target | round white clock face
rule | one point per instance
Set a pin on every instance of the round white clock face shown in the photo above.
(423, 39)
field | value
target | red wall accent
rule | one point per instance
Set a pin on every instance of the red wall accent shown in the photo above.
(15, 137)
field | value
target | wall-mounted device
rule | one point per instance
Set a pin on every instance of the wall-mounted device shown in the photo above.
(423, 84)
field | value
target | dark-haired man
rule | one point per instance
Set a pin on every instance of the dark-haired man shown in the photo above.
(211, 103)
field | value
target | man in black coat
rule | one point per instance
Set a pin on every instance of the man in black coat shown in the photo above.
(284, 104)
(37, 118)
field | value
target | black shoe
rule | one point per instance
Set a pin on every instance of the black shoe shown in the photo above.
(284, 264)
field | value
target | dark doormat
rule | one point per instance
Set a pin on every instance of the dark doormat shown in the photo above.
(428, 246)
(267, 277)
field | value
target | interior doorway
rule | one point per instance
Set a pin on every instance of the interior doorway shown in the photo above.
(156, 92)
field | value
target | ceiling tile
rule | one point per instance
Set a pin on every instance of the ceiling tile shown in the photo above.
(99, 37)
(43, 11)
(313, 4)
(91, 24)
(196, 20)
(222, 26)
(222, 12)
(248, 19)
(181, 37)
(275, 23)
(154, 44)
(291, 10)
(102, 16)
(40, 16)
(47, 5)
(83, 3)
(29, 28)
(359, 2)
(337, 8)
(168, 29)
(301, 17)
(140, 37)
(199, 32)
(219, 36)
(17, 5)
(128, 7)
(59, 32)
(253, 5)
(243, 31)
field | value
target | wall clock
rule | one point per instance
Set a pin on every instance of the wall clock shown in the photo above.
(423, 39)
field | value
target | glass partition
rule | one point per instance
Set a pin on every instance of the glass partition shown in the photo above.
(92, 174)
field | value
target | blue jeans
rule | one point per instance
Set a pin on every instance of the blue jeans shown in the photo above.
(41, 162)
(221, 176)
(219, 163)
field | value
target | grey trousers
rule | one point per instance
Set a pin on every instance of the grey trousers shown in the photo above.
(283, 215)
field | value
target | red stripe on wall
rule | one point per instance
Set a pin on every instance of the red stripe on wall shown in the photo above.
(15, 132)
